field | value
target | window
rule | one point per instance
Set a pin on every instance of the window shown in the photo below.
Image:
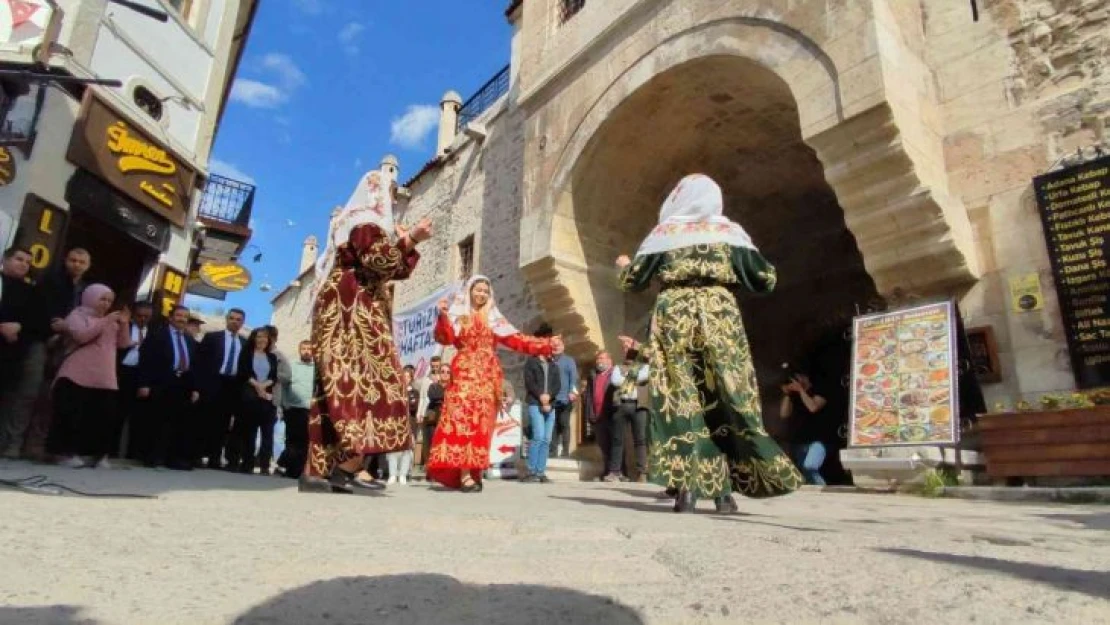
(181, 6)
(148, 102)
(568, 8)
(466, 258)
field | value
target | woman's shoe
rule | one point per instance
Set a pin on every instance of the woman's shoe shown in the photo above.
(473, 487)
(726, 505)
(685, 501)
(319, 485)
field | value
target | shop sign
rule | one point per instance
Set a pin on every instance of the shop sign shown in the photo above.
(227, 277)
(115, 150)
(7, 166)
(86, 193)
(41, 226)
(1074, 204)
(171, 288)
(904, 376)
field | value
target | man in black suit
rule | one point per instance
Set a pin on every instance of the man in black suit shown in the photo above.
(127, 371)
(168, 383)
(15, 315)
(221, 389)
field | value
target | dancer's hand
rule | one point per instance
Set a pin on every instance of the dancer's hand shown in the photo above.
(10, 331)
(442, 306)
(143, 393)
(623, 261)
(422, 231)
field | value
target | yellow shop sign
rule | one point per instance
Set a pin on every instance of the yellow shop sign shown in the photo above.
(225, 276)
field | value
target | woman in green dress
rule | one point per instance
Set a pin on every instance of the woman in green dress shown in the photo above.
(707, 436)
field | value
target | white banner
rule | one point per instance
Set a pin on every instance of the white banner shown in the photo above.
(508, 436)
(414, 331)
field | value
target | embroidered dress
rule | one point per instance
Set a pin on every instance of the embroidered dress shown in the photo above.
(706, 429)
(360, 405)
(471, 401)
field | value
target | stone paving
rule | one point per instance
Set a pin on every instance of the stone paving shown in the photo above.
(217, 548)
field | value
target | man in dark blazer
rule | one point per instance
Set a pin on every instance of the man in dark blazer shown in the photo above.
(221, 389)
(167, 380)
(599, 404)
(542, 383)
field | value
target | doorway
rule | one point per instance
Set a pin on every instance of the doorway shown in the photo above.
(117, 259)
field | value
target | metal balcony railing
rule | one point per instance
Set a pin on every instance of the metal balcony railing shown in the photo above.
(484, 98)
(228, 201)
(568, 9)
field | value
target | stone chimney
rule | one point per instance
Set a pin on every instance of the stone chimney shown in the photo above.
(389, 168)
(309, 253)
(448, 121)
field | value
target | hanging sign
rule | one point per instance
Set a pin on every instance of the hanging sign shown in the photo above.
(227, 277)
(7, 166)
(904, 378)
(171, 287)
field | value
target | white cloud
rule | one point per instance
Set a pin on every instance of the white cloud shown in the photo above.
(349, 37)
(287, 78)
(312, 7)
(410, 129)
(282, 66)
(256, 94)
(229, 170)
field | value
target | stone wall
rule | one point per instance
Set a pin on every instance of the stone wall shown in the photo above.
(292, 315)
(1021, 88)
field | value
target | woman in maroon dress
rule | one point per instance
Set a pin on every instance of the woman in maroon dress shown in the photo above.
(360, 406)
(474, 326)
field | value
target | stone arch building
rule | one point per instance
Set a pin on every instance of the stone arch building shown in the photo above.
(871, 147)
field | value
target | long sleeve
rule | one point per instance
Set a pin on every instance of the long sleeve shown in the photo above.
(637, 276)
(755, 273)
(445, 332)
(82, 328)
(617, 377)
(642, 375)
(524, 344)
(380, 256)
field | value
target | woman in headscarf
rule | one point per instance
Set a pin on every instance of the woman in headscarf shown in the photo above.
(707, 436)
(474, 326)
(360, 406)
(85, 388)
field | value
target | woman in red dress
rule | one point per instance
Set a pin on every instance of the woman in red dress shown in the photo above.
(474, 326)
(360, 406)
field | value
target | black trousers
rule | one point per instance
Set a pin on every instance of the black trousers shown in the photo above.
(219, 407)
(171, 417)
(426, 448)
(83, 419)
(254, 416)
(562, 429)
(296, 442)
(625, 415)
(128, 415)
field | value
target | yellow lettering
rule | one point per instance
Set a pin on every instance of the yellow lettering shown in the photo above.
(149, 189)
(136, 154)
(44, 221)
(4, 155)
(40, 256)
(173, 283)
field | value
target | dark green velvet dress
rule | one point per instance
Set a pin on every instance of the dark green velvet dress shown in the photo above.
(707, 431)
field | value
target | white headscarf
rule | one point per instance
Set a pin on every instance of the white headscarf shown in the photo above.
(371, 203)
(461, 307)
(692, 215)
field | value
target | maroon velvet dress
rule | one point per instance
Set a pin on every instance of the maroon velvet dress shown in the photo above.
(360, 405)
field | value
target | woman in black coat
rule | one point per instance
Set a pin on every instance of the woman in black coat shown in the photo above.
(258, 372)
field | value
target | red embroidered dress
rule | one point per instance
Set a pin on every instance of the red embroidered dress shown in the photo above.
(360, 405)
(470, 403)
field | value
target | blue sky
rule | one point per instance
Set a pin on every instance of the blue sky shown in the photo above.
(325, 90)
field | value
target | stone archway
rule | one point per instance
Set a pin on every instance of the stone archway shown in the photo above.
(758, 110)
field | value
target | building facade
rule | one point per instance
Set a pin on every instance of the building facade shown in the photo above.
(878, 151)
(110, 153)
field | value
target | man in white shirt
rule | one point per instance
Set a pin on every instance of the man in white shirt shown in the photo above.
(138, 440)
(628, 380)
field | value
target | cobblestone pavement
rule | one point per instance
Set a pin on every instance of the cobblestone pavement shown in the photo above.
(220, 548)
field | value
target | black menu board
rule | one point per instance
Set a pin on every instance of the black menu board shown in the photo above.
(1075, 208)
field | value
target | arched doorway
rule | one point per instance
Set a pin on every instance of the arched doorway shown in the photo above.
(733, 119)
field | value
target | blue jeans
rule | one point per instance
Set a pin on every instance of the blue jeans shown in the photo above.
(809, 457)
(542, 427)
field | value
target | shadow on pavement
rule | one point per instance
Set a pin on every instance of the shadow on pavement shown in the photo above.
(137, 481)
(1093, 583)
(1093, 521)
(434, 599)
(52, 615)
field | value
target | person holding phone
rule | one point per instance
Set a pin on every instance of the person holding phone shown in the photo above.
(804, 410)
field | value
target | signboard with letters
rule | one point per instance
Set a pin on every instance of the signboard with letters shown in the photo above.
(116, 151)
(8, 168)
(414, 331)
(1074, 205)
(94, 197)
(41, 228)
(170, 289)
(904, 389)
(226, 277)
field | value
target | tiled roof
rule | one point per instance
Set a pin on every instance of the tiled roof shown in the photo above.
(429, 166)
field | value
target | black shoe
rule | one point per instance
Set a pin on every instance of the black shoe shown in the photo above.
(685, 501)
(726, 505)
(473, 487)
(319, 485)
(214, 465)
(530, 479)
(543, 479)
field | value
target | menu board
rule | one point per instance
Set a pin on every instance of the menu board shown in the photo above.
(904, 378)
(1075, 208)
